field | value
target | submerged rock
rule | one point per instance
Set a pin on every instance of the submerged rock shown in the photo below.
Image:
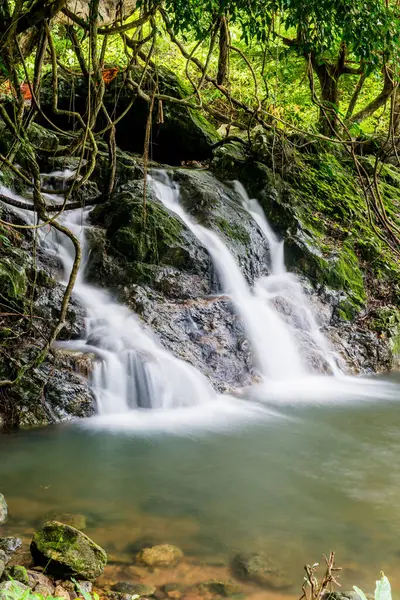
(139, 589)
(260, 569)
(227, 589)
(3, 509)
(67, 551)
(162, 555)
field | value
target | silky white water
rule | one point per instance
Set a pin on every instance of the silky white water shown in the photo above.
(275, 346)
(132, 370)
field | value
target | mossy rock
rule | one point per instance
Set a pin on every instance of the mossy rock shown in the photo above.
(17, 573)
(66, 552)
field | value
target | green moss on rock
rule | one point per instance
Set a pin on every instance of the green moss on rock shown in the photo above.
(66, 551)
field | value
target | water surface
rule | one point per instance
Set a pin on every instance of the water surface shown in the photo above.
(293, 480)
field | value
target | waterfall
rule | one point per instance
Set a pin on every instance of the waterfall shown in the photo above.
(275, 346)
(132, 370)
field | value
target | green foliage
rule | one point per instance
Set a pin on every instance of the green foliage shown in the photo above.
(16, 592)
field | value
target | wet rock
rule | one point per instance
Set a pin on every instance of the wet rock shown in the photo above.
(227, 589)
(17, 573)
(260, 569)
(3, 509)
(174, 591)
(163, 555)
(139, 589)
(67, 551)
(61, 592)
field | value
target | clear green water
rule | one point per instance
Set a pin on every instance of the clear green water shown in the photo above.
(294, 484)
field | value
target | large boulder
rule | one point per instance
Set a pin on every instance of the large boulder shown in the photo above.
(66, 551)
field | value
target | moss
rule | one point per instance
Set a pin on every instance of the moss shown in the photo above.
(233, 230)
(66, 551)
(13, 278)
(18, 573)
(386, 322)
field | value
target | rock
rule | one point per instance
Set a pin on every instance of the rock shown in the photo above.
(18, 573)
(67, 551)
(222, 588)
(70, 587)
(174, 591)
(184, 135)
(260, 569)
(44, 590)
(10, 545)
(139, 589)
(163, 555)
(74, 520)
(38, 579)
(2, 568)
(3, 557)
(3, 509)
(61, 592)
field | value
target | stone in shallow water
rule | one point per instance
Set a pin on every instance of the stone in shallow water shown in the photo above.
(3, 509)
(222, 588)
(139, 589)
(66, 551)
(260, 569)
(163, 555)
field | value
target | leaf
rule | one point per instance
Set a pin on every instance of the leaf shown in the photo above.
(360, 592)
(383, 590)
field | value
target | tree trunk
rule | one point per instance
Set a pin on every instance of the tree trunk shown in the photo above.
(395, 116)
(328, 76)
(223, 60)
(380, 100)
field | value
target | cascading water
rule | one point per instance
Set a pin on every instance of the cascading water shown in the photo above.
(132, 370)
(282, 283)
(276, 349)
